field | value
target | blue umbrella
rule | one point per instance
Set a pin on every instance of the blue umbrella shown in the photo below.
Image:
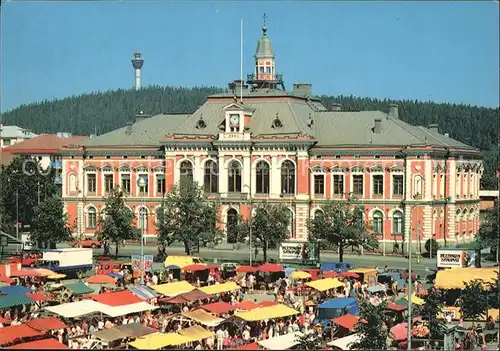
(172, 266)
(289, 271)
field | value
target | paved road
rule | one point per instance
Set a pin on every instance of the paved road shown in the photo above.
(243, 255)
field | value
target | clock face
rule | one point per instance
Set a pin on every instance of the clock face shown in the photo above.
(234, 119)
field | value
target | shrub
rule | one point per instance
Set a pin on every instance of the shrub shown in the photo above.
(434, 244)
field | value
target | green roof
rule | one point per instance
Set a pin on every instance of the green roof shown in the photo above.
(78, 288)
(12, 300)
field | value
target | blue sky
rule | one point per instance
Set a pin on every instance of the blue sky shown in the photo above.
(439, 51)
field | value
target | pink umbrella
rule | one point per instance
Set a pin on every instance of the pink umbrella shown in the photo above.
(399, 332)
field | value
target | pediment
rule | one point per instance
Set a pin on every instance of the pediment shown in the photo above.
(376, 168)
(142, 168)
(125, 168)
(234, 106)
(159, 169)
(107, 168)
(90, 168)
(318, 169)
(357, 168)
(396, 168)
(337, 168)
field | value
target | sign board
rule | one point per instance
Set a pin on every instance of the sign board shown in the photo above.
(458, 258)
(299, 251)
(136, 262)
(4, 241)
(148, 262)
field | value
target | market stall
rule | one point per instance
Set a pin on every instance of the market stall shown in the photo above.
(282, 342)
(173, 289)
(263, 313)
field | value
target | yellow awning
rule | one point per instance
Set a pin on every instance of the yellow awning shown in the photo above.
(44, 272)
(416, 300)
(325, 284)
(455, 278)
(56, 276)
(203, 317)
(363, 270)
(220, 288)
(159, 340)
(173, 289)
(300, 275)
(196, 333)
(270, 312)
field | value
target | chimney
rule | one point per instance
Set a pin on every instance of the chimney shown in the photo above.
(302, 89)
(336, 107)
(393, 111)
(434, 128)
(231, 86)
(378, 125)
(129, 128)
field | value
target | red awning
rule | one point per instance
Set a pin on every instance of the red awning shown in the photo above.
(4, 321)
(118, 298)
(266, 303)
(330, 274)
(347, 321)
(246, 269)
(271, 268)
(195, 268)
(46, 324)
(252, 346)
(7, 280)
(395, 307)
(40, 296)
(218, 307)
(350, 275)
(101, 279)
(15, 332)
(26, 273)
(246, 305)
(40, 344)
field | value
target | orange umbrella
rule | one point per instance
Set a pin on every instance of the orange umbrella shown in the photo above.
(101, 279)
(330, 274)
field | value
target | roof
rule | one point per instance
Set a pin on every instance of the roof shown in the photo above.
(15, 332)
(282, 342)
(133, 330)
(40, 345)
(264, 48)
(46, 324)
(14, 300)
(78, 288)
(14, 290)
(347, 321)
(186, 297)
(118, 298)
(219, 307)
(173, 289)
(15, 132)
(339, 302)
(6, 157)
(143, 292)
(44, 144)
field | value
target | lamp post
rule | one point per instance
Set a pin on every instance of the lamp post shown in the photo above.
(142, 183)
(250, 217)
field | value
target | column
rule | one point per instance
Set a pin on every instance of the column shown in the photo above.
(246, 181)
(222, 177)
(198, 172)
(275, 181)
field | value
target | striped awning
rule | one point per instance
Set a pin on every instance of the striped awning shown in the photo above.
(143, 292)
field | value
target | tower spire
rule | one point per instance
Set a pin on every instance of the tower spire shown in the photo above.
(264, 27)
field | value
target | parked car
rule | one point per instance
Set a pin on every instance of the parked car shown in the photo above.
(87, 243)
(26, 259)
(337, 267)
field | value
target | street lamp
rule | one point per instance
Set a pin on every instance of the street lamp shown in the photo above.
(250, 220)
(448, 199)
(142, 182)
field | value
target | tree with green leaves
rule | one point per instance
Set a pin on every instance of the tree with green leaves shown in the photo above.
(370, 327)
(308, 341)
(474, 300)
(489, 229)
(116, 220)
(270, 226)
(433, 305)
(186, 216)
(24, 184)
(341, 224)
(50, 223)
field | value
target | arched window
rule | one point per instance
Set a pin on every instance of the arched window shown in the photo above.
(143, 219)
(72, 182)
(91, 218)
(291, 227)
(186, 171)
(418, 185)
(262, 177)
(211, 178)
(318, 214)
(234, 177)
(231, 222)
(377, 222)
(288, 177)
(397, 223)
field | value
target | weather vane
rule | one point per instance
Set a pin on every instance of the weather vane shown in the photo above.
(265, 18)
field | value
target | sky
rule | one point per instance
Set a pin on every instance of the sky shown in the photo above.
(437, 51)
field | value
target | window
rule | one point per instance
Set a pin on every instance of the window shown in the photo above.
(397, 223)
(211, 178)
(268, 70)
(186, 171)
(357, 184)
(291, 233)
(418, 185)
(126, 183)
(72, 182)
(91, 218)
(143, 219)
(377, 222)
(261, 70)
(231, 222)
(378, 184)
(262, 177)
(160, 184)
(319, 184)
(108, 183)
(288, 178)
(338, 184)
(397, 185)
(7, 142)
(318, 214)
(234, 177)
(143, 190)
(91, 183)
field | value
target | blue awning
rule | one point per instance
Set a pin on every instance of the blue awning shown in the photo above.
(173, 266)
(115, 275)
(376, 288)
(14, 290)
(142, 292)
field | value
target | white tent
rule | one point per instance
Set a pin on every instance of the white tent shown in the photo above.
(345, 342)
(118, 311)
(282, 342)
(77, 308)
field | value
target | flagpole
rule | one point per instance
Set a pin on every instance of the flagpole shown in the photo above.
(241, 60)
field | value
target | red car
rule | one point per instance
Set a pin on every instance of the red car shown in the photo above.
(88, 243)
(26, 260)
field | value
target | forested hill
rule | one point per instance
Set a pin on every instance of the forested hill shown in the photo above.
(102, 112)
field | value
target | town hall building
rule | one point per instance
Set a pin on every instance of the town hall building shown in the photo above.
(261, 143)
